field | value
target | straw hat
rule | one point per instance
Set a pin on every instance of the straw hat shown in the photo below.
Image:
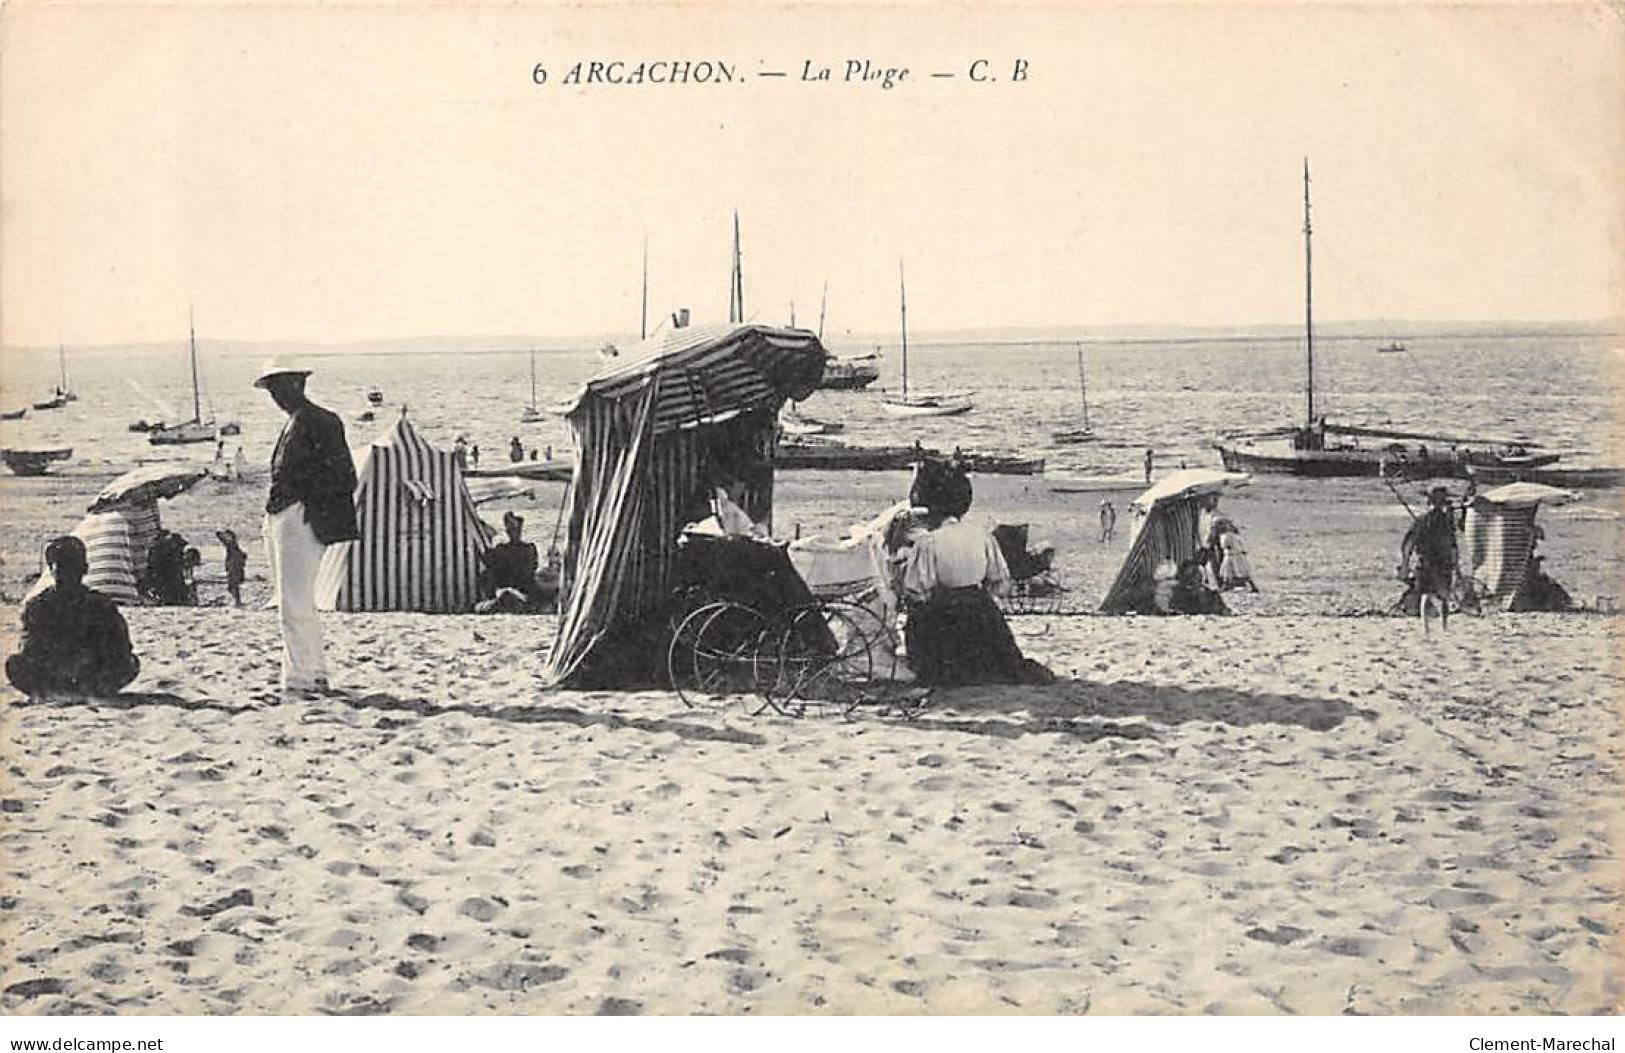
(276, 367)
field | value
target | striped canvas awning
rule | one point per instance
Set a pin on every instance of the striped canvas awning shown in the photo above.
(706, 374)
(648, 430)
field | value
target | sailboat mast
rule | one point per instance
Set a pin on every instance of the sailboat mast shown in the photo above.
(533, 376)
(736, 288)
(902, 302)
(643, 320)
(1083, 389)
(823, 301)
(1308, 305)
(197, 409)
(62, 360)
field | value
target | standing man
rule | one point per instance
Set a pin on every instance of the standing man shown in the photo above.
(1108, 520)
(311, 506)
(1148, 460)
(1432, 540)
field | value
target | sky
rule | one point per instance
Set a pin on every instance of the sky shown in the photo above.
(375, 172)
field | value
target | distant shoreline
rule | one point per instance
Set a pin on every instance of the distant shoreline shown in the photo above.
(1118, 336)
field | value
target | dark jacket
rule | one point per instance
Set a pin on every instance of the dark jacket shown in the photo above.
(312, 466)
(73, 639)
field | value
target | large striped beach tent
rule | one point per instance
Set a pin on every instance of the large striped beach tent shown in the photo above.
(1166, 533)
(1499, 536)
(420, 541)
(654, 431)
(110, 552)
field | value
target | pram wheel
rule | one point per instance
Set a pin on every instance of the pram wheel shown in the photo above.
(1036, 595)
(821, 660)
(713, 654)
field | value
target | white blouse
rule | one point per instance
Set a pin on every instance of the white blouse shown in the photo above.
(953, 556)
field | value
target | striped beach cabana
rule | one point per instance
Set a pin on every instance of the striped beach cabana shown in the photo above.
(1499, 536)
(420, 541)
(1166, 533)
(654, 431)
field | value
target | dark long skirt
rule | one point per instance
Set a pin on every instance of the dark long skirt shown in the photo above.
(960, 636)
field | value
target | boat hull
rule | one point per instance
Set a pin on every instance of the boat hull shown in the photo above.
(925, 409)
(1348, 462)
(848, 382)
(33, 462)
(1567, 478)
(182, 435)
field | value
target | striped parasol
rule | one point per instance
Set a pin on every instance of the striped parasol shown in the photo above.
(145, 485)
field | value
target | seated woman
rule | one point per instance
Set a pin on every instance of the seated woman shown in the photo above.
(955, 633)
(510, 572)
(74, 639)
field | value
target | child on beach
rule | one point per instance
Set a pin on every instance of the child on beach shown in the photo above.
(236, 565)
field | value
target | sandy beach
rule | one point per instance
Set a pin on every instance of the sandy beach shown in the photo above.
(1245, 815)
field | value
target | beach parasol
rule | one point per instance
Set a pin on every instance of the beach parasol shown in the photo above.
(143, 486)
(1191, 482)
(1529, 494)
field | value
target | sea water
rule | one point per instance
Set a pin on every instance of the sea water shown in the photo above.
(1173, 396)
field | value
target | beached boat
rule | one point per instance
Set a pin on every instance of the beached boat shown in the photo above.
(795, 424)
(919, 404)
(56, 401)
(850, 374)
(16, 414)
(1000, 463)
(831, 455)
(1567, 478)
(34, 460)
(1394, 348)
(532, 413)
(1081, 432)
(557, 470)
(375, 397)
(1323, 449)
(196, 430)
(1095, 484)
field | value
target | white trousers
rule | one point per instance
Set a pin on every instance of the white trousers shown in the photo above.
(294, 554)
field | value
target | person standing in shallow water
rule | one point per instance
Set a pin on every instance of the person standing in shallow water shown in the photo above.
(311, 505)
(74, 639)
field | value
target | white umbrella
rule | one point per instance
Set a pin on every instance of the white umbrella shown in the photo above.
(143, 486)
(1529, 494)
(1190, 482)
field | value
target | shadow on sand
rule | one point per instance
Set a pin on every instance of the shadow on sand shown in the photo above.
(1076, 708)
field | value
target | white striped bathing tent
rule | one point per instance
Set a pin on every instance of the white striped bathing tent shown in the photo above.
(110, 552)
(1499, 538)
(420, 543)
(649, 433)
(1168, 533)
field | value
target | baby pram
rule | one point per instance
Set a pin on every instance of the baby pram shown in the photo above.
(1035, 587)
(748, 624)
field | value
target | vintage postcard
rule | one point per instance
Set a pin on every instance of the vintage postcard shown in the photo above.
(811, 509)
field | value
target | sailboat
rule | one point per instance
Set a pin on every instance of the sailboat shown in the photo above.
(64, 393)
(533, 413)
(1082, 432)
(946, 404)
(197, 429)
(1320, 448)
